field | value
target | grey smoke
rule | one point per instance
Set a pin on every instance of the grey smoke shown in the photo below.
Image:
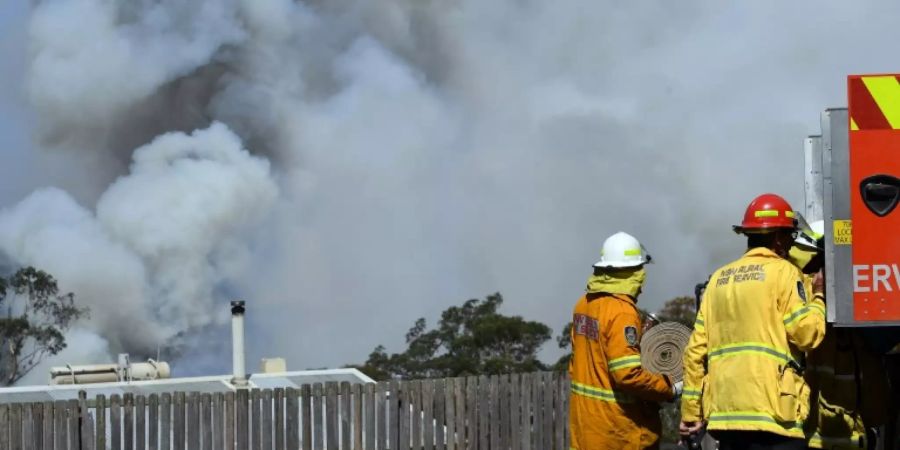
(420, 153)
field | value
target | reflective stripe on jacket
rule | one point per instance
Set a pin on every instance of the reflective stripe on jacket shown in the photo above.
(743, 361)
(613, 401)
(839, 414)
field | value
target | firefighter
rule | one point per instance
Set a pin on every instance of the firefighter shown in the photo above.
(841, 417)
(614, 402)
(743, 362)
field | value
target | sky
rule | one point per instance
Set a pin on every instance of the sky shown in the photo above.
(348, 166)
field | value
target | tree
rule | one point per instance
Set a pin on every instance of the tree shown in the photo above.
(472, 339)
(36, 320)
(679, 309)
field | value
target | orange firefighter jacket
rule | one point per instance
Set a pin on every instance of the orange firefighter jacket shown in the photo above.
(613, 401)
(849, 391)
(743, 362)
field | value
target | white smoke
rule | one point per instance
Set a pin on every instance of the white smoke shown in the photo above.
(424, 152)
(162, 239)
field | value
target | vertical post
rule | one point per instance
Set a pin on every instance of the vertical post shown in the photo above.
(115, 421)
(219, 421)
(140, 422)
(242, 405)
(369, 427)
(165, 422)
(230, 418)
(47, 432)
(813, 178)
(178, 432)
(153, 422)
(266, 425)
(192, 431)
(239, 370)
(255, 429)
(381, 415)
(279, 418)
(318, 427)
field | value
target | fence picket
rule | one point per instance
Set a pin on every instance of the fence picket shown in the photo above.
(434, 416)
(60, 427)
(255, 431)
(206, 421)
(152, 423)
(27, 418)
(357, 416)
(294, 416)
(37, 436)
(525, 411)
(403, 400)
(15, 426)
(230, 408)
(318, 400)
(165, 421)
(331, 416)
(471, 413)
(450, 413)
(115, 422)
(178, 432)
(218, 431)
(242, 414)
(278, 403)
(86, 425)
(415, 413)
(503, 409)
(514, 414)
(266, 420)
(459, 393)
(381, 416)
(484, 409)
(345, 415)
(128, 421)
(368, 396)
(192, 421)
(47, 432)
(561, 413)
(140, 423)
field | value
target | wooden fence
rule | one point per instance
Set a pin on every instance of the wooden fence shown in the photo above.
(514, 412)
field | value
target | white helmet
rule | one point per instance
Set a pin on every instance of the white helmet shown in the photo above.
(622, 250)
(808, 237)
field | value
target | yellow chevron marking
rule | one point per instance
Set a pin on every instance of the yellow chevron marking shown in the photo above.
(886, 92)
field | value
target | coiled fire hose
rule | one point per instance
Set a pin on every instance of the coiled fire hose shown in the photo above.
(662, 348)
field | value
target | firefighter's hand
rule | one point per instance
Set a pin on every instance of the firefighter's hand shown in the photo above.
(689, 428)
(818, 284)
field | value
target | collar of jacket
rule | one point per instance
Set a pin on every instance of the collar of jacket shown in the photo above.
(761, 251)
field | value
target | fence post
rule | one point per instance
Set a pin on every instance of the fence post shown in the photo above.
(279, 418)
(242, 405)
(152, 422)
(140, 422)
(255, 429)
(267, 422)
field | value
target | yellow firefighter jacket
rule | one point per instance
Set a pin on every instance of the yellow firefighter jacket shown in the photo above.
(842, 405)
(613, 401)
(743, 362)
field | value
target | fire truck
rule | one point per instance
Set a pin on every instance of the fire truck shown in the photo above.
(852, 182)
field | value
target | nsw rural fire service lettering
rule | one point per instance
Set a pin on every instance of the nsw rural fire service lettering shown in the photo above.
(752, 272)
(876, 277)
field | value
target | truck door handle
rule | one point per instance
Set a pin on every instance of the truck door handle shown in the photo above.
(880, 193)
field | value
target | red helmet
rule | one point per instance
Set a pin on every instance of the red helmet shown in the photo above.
(765, 213)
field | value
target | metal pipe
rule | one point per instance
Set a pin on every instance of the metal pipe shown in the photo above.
(237, 344)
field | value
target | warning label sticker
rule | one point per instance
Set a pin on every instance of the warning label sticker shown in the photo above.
(842, 232)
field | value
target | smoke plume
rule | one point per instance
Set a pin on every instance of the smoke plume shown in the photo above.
(348, 166)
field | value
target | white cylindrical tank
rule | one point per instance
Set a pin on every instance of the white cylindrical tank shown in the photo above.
(109, 373)
(97, 373)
